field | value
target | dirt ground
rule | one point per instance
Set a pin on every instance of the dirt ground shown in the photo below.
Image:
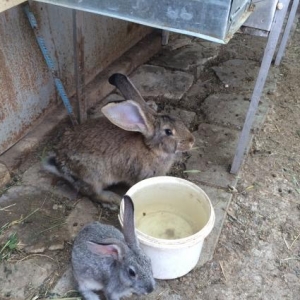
(258, 254)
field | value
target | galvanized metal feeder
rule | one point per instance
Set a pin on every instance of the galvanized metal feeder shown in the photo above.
(212, 20)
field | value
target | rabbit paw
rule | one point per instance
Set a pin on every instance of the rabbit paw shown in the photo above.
(111, 207)
(108, 199)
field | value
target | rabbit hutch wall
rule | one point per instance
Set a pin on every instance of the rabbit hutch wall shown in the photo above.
(27, 90)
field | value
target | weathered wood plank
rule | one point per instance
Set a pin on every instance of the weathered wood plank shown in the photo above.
(6, 4)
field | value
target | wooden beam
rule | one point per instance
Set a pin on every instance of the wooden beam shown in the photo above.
(7, 4)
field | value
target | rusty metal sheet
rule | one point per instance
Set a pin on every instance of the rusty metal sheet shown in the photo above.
(26, 87)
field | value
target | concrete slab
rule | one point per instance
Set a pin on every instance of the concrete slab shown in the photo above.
(187, 117)
(237, 71)
(154, 81)
(188, 57)
(213, 155)
(35, 176)
(36, 216)
(22, 279)
(196, 95)
(220, 201)
(245, 46)
(241, 74)
(77, 219)
(231, 109)
(65, 285)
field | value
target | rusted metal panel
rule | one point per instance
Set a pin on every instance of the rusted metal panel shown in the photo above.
(26, 87)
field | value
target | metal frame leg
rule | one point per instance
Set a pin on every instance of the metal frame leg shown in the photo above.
(259, 85)
(287, 31)
(78, 44)
(165, 37)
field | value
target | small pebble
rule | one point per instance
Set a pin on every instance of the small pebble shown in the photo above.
(57, 246)
(35, 249)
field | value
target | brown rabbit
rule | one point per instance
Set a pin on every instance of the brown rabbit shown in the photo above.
(132, 142)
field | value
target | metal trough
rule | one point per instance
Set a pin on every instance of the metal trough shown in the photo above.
(213, 20)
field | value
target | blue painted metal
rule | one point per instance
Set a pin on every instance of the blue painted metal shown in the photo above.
(59, 86)
(63, 95)
(45, 52)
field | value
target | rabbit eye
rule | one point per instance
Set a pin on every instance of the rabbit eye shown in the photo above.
(131, 272)
(168, 132)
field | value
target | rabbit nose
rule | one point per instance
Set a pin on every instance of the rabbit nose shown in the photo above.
(149, 288)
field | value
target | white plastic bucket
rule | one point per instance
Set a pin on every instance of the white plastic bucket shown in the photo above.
(160, 204)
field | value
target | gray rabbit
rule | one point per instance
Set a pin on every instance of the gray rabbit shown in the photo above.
(131, 143)
(105, 259)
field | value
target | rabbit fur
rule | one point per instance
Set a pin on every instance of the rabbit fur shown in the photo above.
(130, 143)
(105, 259)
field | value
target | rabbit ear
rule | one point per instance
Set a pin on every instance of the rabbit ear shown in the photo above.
(125, 86)
(108, 247)
(129, 116)
(128, 224)
(128, 90)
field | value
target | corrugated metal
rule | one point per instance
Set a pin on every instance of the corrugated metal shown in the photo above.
(26, 85)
